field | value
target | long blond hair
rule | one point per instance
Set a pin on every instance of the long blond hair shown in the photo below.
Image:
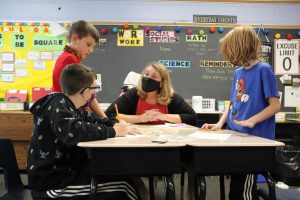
(240, 46)
(166, 91)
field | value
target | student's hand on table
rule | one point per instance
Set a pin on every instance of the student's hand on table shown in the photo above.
(134, 131)
(121, 129)
(247, 123)
(212, 127)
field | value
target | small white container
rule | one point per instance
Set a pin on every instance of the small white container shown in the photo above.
(197, 103)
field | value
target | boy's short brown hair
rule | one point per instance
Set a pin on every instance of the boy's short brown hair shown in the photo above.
(240, 45)
(84, 29)
(75, 77)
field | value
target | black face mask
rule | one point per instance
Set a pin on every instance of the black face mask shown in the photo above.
(150, 85)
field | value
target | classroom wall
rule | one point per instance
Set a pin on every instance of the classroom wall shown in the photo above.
(137, 10)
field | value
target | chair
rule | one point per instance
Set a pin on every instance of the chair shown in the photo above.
(14, 188)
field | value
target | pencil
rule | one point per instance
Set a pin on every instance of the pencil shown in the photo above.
(117, 111)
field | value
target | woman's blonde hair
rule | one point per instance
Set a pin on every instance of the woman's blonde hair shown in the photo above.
(240, 46)
(166, 91)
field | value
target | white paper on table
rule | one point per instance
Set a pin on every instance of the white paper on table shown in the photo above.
(177, 138)
(291, 96)
(135, 136)
(210, 136)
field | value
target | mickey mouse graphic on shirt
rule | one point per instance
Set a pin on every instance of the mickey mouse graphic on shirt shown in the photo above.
(240, 91)
(240, 96)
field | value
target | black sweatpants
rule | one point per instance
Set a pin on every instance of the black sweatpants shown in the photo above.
(78, 188)
(243, 187)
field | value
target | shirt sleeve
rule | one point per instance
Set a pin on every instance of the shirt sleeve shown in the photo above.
(233, 86)
(127, 104)
(58, 69)
(269, 83)
(179, 106)
(71, 127)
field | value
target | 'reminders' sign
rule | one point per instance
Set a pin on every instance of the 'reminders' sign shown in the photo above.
(287, 56)
(219, 19)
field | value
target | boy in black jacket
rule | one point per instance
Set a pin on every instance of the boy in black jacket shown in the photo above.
(57, 168)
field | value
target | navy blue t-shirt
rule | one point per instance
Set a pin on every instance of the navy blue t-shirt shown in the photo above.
(251, 89)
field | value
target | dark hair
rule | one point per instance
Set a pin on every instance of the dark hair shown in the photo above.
(76, 77)
(84, 29)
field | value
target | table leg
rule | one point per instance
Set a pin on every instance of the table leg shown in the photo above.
(170, 188)
(271, 185)
(222, 187)
(200, 187)
(93, 188)
(182, 183)
(151, 187)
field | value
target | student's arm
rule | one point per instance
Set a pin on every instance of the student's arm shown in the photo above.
(220, 123)
(127, 104)
(180, 111)
(96, 108)
(270, 110)
(70, 127)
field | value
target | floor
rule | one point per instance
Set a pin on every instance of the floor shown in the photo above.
(212, 192)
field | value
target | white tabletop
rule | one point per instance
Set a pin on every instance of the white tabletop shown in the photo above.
(235, 139)
(151, 137)
(182, 135)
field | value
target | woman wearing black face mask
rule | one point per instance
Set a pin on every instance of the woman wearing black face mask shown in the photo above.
(153, 100)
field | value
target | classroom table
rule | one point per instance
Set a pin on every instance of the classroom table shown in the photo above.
(202, 152)
(239, 153)
(135, 156)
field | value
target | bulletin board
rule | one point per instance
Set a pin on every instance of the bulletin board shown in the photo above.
(28, 51)
(190, 51)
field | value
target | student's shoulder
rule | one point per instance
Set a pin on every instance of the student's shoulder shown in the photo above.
(132, 91)
(67, 57)
(264, 67)
(176, 97)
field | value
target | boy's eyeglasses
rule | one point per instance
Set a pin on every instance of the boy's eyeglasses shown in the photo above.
(97, 88)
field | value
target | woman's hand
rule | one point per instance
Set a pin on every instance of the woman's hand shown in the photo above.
(149, 115)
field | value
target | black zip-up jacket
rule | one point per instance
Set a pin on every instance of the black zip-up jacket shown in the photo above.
(53, 155)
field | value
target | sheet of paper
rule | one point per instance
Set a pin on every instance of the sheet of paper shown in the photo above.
(33, 55)
(21, 73)
(291, 96)
(7, 77)
(40, 65)
(46, 55)
(8, 57)
(135, 136)
(8, 67)
(21, 62)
